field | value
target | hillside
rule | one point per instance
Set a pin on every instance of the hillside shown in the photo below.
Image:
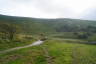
(36, 25)
(55, 28)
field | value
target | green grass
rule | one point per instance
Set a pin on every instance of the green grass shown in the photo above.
(70, 53)
(24, 56)
(59, 52)
(7, 45)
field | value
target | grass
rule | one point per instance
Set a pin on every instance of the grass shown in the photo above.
(7, 45)
(24, 56)
(53, 51)
(70, 53)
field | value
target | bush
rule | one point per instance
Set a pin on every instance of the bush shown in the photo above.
(92, 38)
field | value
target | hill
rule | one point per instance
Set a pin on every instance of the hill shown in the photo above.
(58, 28)
(36, 25)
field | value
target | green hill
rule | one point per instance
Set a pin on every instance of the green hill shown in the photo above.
(59, 28)
(36, 25)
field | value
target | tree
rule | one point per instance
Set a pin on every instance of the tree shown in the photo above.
(10, 30)
(82, 35)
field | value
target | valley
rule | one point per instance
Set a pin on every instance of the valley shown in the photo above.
(47, 41)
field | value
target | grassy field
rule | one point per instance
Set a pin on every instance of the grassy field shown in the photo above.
(53, 52)
(11, 44)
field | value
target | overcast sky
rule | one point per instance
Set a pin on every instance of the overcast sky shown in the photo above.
(84, 9)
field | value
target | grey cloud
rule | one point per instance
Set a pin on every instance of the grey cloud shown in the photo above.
(89, 14)
(46, 7)
(43, 6)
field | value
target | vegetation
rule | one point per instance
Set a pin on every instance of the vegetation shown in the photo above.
(53, 52)
(82, 29)
(69, 41)
(9, 30)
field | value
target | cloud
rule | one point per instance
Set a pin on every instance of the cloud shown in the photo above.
(46, 8)
(89, 14)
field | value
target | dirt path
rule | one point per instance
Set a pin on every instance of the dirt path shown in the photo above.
(48, 58)
(17, 48)
(75, 54)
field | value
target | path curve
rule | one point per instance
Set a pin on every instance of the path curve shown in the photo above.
(17, 48)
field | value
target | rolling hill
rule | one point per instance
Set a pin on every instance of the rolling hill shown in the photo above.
(37, 25)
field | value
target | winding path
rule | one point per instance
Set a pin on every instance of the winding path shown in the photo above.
(17, 48)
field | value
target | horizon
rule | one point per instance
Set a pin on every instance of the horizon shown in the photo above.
(44, 18)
